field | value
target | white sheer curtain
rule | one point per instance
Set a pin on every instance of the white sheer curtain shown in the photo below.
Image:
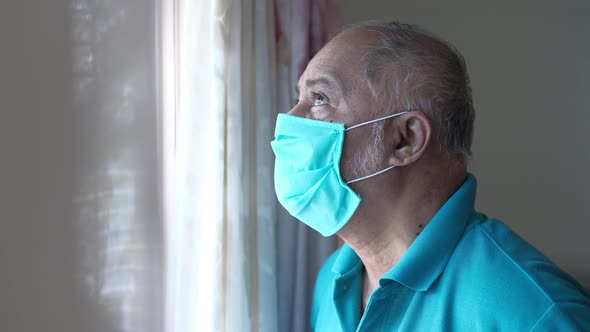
(219, 106)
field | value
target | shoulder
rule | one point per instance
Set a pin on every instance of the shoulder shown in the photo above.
(526, 262)
(505, 274)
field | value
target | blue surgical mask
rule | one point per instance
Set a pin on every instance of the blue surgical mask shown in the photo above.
(307, 175)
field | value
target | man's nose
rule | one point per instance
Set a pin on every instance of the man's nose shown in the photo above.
(300, 111)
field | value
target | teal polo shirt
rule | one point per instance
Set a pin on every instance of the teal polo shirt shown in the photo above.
(464, 272)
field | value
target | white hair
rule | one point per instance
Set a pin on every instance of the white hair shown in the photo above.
(409, 69)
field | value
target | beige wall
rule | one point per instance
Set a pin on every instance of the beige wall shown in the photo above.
(36, 247)
(530, 68)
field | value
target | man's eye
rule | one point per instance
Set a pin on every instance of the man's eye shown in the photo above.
(319, 100)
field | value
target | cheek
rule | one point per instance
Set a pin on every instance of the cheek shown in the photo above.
(354, 143)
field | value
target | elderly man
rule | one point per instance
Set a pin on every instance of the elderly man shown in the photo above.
(375, 151)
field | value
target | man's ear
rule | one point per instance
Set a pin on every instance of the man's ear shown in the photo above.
(411, 135)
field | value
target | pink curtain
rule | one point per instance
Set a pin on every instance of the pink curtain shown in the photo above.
(302, 27)
(315, 22)
(307, 25)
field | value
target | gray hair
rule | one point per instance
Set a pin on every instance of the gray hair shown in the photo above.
(411, 69)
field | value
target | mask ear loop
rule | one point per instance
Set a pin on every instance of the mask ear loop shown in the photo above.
(376, 120)
(371, 175)
(364, 124)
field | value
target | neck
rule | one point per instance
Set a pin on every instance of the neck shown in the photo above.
(385, 225)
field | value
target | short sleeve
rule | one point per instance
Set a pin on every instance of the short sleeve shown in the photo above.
(564, 317)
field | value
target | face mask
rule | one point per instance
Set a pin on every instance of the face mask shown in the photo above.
(307, 172)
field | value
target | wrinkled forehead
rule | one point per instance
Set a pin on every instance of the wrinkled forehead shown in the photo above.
(341, 60)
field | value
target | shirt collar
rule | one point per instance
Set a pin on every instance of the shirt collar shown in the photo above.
(346, 262)
(427, 257)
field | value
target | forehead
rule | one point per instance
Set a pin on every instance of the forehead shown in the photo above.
(341, 59)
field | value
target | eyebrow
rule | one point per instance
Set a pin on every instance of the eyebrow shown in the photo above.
(322, 80)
